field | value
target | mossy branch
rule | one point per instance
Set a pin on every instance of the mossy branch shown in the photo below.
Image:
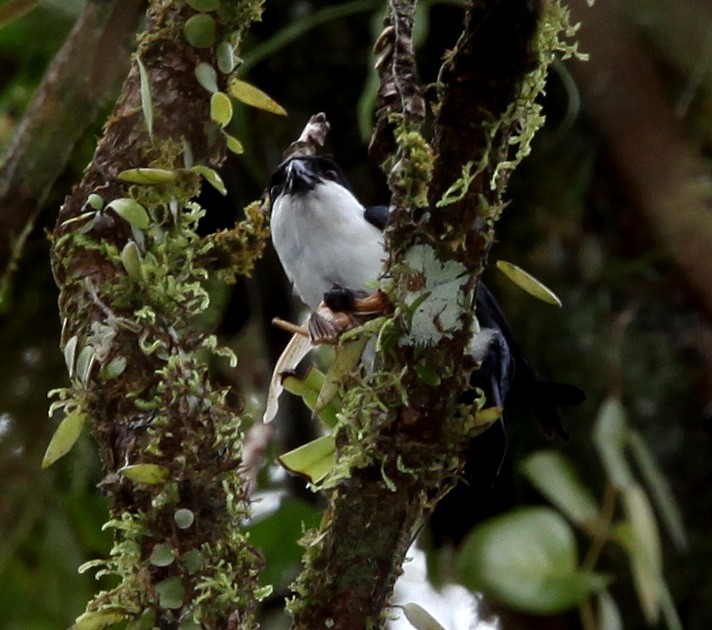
(130, 266)
(403, 435)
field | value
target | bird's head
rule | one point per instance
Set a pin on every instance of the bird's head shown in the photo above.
(301, 175)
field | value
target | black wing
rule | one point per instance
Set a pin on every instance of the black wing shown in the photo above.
(377, 215)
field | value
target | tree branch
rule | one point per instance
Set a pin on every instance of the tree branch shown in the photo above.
(125, 256)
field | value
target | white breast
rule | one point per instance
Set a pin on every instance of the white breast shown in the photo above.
(322, 238)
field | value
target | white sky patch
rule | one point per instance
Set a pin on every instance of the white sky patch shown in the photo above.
(453, 607)
(439, 304)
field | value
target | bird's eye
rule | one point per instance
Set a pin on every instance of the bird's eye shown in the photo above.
(331, 174)
(274, 192)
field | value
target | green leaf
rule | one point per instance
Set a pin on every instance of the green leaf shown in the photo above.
(162, 555)
(554, 477)
(148, 176)
(70, 354)
(193, 560)
(348, 356)
(95, 201)
(225, 54)
(313, 460)
(254, 97)
(131, 260)
(131, 211)
(64, 437)
(220, 108)
(609, 435)
(207, 76)
(527, 559)
(170, 592)
(184, 518)
(145, 473)
(211, 177)
(85, 363)
(233, 144)
(659, 489)
(146, 98)
(199, 30)
(308, 389)
(528, 283)
(420, 618)
(427, 374)
(113, 368)
(98, 620)
(644, 550)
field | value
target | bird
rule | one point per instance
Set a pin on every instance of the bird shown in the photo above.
(332, 250)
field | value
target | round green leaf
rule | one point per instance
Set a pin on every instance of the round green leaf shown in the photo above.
(254, 97)
(145, 473)
(528, 283)
(207, 76)
(184, 518)
(554, 476)
(95, 201)
(220, 108)
(162, 555)
(113, 368)
(64, 437)
(225, 54)
(193, 560)
(132, 211)
(170, 592)
(199, 30)
(527, 559)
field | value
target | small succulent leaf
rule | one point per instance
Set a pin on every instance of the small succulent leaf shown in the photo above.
(146, 98)
(85, 363)
(131, 211)
(207, 76)
(225, 54)
(184, 518)
(554, 476)
(420, 618)
(659, 488)
(113, 368)
(527, 559)
(313, 460)
(131, 260)
(220, 108)
(148, 176)
(95, 201)
(211, 177)
(254, 97)
(162, 555)
(528, 283)
(199, 30)
(609, 435)
(65, 436)
(146, 473)
(97, 620)
(233, 144)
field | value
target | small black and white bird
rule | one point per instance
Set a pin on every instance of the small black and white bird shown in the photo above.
(328, 242)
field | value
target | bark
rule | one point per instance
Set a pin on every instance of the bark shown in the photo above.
(402, 438)
(169, 443)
